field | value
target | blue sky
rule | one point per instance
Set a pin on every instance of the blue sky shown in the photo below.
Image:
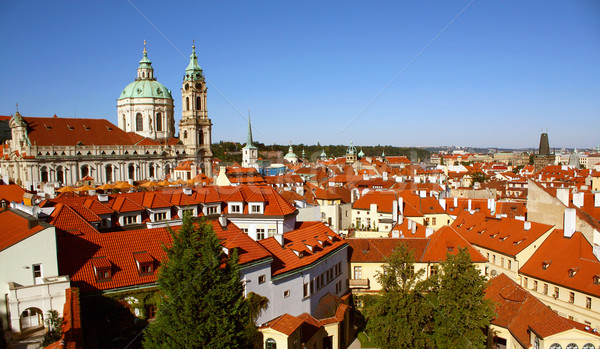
(502, 72)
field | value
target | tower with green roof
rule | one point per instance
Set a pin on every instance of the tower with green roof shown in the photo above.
(145, 106)
(195, 127)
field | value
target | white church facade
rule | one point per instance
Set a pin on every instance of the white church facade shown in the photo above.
(62, 151)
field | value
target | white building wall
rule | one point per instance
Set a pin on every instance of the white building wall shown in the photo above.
(17, 263)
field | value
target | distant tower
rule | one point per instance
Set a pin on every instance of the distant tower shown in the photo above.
(249, 152)
(351, 154)
(543, 158)
(18, 129)
(544, 145)
(291, 157)
(145, 106)
(195, 126)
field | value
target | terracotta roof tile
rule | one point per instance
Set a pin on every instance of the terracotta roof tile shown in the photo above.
(15, 228)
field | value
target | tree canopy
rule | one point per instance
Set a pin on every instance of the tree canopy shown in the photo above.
(203, 304)
(447, 310)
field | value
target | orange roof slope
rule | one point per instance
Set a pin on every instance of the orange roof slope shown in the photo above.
(69, 131)
(518, 311)
(302, 247)
(15, 228)
(506, 235)
(569, 262)
(11, 192)
(119, 250)
(383, 199)
(447, 241)
(378, 249)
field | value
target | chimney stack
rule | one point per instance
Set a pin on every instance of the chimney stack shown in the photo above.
(279, 238)
(395, 211)
(223, 221)
(578, 199)
(428, 232)
(562, 194)
(526, 225)
(596, 199)
(570, 221)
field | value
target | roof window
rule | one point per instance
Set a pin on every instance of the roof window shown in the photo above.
(573, 271)
(546, 264)
(102, 268)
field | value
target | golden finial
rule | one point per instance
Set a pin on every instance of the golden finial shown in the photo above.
(193, 44)
(17, 107)
(145, 46)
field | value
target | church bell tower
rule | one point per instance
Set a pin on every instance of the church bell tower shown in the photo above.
(195, 126)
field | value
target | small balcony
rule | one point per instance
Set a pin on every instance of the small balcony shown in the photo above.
(359, 283)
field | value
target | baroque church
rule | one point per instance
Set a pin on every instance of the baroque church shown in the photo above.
(62, 151)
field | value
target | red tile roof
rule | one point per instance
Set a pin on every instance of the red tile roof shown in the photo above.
(446, 241)
(15, 228)
(518, 311)
(11, 192)
(561, 255)
(378, 249)
(67, 220)
(72, 335)
(286, 324)
(119, 250)
(312, 241)
(504, 235)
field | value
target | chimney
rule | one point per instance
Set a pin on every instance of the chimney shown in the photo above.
(569, 222)
(492, 204)
(578, 199)
(428, 232)
(366, 177)
(423, 193)
(596, 199)
(526, 225)
(443, 204)
(469, 205)
(395, 234)
(414, 227)
(223, 221)
(187, 191)
(401, 205)
(563, 195)
(279, 238)
(103, 197)
(455, 202)
(395, 211)
(385, 175)
(300, 190)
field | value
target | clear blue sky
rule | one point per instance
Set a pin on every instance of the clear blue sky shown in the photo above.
(499, 74)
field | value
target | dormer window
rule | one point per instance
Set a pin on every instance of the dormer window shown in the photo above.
(256, 208)
(144, 263)
(235, 208)
(572, 272)
(102, 268)
(546, 264)
(596, 279)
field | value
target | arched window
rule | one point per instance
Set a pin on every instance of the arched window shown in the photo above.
(108, 170)
(60, 174)
(159, 122)
(85, 170)
(167, 170)
(131, 169)
(44, 174)
(124, 122)
(198, 104)
(139, 122)
(270, 344)
(200, 137)
(187, 103)
(151, 170)
(184, 134)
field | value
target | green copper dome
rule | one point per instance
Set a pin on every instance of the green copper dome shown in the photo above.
(145, 88)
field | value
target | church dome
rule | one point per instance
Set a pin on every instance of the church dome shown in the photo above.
(145, 88)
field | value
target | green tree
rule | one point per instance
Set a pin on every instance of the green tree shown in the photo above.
(461, 312)
(478, 177)
(54, 324)
(203, 305)
(400, 315)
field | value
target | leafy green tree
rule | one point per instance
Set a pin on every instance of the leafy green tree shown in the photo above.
(461, 311)
(400, 315)
(203, 305)
(54, 324)
(478, 177)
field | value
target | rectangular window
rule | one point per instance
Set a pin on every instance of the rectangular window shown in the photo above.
(312, 286)
(211, 210)
(305, 290)
(534, 285)
(588, 302)
(272, 232)
(286, 293)
(236, 208)
(358, 273)
(318, 283)
(188, 211)
(255, 209)
(525, 282)
(427, 221)
(260, 234)
(509, 264)
(433, 221)
(494, 259)
(502, 262)
(571, 297)
(161, 216)
(357, 223)
(556, 293)
(433, 270)
(130, 220)
(37, 270)
(262, 279)
(545, 288)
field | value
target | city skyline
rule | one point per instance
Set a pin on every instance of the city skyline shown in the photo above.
(473, 74)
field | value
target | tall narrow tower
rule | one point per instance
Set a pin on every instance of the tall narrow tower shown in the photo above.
(195, 126)
(249, 152)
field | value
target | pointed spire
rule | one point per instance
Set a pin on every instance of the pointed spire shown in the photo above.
(249, 140)
(145, 61)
